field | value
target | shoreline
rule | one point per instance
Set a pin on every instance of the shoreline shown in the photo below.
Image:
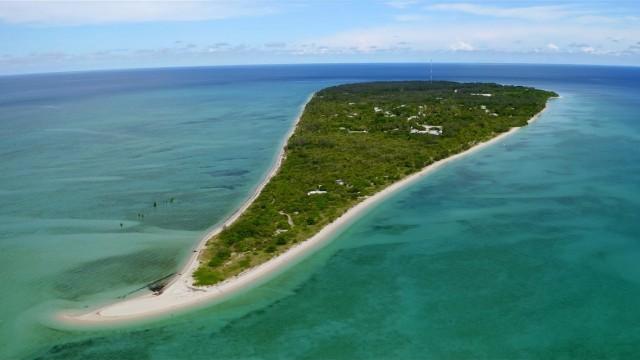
(193, 262)
(180, 293)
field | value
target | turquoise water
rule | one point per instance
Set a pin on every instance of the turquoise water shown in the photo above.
(526, 249)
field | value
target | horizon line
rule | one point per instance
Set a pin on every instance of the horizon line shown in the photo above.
(177, 67)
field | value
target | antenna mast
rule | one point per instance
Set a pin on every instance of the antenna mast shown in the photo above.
(430, 70)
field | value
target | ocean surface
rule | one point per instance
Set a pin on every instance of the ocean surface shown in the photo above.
(529, 248)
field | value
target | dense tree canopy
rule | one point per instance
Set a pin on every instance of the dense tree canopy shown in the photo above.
(351, 142)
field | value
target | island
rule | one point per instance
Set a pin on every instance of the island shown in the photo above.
(351, 145)
(351, 142)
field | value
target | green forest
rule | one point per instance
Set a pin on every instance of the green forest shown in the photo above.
(353, 141)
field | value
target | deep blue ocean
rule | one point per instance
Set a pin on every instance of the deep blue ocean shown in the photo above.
(528, 249)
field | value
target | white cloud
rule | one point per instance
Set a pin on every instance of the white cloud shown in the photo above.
(633, 49)
(549, 12)
(588, 49)
(275, 45)
(99, 12)
(504, 38)
(401, 4)
(461, 46)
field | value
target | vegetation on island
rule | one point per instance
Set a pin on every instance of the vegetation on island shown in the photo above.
(353, 141)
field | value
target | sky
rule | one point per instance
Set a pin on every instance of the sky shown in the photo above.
(51, 36)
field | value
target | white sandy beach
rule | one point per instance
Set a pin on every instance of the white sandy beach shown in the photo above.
(180, 293)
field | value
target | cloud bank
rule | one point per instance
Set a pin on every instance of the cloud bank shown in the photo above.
(49, 12)
(298, 31)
